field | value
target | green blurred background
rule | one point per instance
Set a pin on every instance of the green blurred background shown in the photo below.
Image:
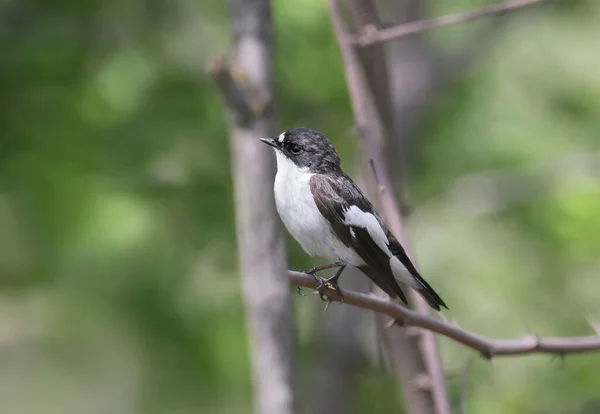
(119, 290)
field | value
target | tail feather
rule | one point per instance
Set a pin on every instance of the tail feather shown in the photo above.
(393, 289)
(430, 295)
(389, 286)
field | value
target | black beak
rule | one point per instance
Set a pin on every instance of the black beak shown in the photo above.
(270, 141)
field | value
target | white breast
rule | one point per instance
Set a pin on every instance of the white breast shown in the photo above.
(301, 216)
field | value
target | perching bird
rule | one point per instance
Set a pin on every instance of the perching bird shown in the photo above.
(330, 216)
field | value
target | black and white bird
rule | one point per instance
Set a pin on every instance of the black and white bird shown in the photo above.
(326, 212)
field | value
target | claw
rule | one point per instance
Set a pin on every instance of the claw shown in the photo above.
(321, 290)
(333, 284)
(323, 285)
(320, 282)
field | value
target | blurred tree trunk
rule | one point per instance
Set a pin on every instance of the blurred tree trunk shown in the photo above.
(404, 76)
(343, 357)
(247, 84)
(410, 362)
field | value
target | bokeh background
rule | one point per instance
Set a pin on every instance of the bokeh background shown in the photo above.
(118, 283)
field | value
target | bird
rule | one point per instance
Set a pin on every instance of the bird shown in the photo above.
(329, 216)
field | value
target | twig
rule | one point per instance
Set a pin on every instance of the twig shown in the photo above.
(487, 347)
(595, 325)
(371, 36)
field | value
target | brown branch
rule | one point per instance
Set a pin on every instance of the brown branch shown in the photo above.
(372, 36)
(487, 347)
(371, 127)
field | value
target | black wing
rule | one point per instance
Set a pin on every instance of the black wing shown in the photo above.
(333, 197)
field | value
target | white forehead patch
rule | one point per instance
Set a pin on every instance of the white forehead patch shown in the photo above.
(281, 137)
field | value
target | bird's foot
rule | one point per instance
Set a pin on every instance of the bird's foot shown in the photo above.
(332, 283)
(321, 284)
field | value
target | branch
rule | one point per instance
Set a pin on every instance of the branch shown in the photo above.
(371, 35)
(372, 129)
(487, 347)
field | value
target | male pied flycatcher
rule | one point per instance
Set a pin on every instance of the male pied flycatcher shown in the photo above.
(330, 216)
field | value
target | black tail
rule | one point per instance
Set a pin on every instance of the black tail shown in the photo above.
(432, 298)
(388, 285)
(392, 288)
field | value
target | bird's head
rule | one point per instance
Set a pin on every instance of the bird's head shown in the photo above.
(307, 149)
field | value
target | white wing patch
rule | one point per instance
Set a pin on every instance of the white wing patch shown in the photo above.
(352, 233)
(402, 274)
(281, 137)
(354, 216)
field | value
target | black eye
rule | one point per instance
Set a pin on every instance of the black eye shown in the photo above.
(295, 149)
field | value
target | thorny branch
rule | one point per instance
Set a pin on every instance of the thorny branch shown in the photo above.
(372, 35)
(487, 347)
(370, 125)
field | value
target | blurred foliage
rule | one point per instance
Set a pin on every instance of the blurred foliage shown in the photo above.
(119, 290)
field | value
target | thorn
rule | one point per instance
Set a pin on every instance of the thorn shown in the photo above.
(533, 339)
(391, 323)
(488, 354)
(367, 33)
(594, 324)
(563, 359)
(326, 305)
(559, 355)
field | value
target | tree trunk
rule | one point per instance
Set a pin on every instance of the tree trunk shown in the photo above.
(247, 85)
